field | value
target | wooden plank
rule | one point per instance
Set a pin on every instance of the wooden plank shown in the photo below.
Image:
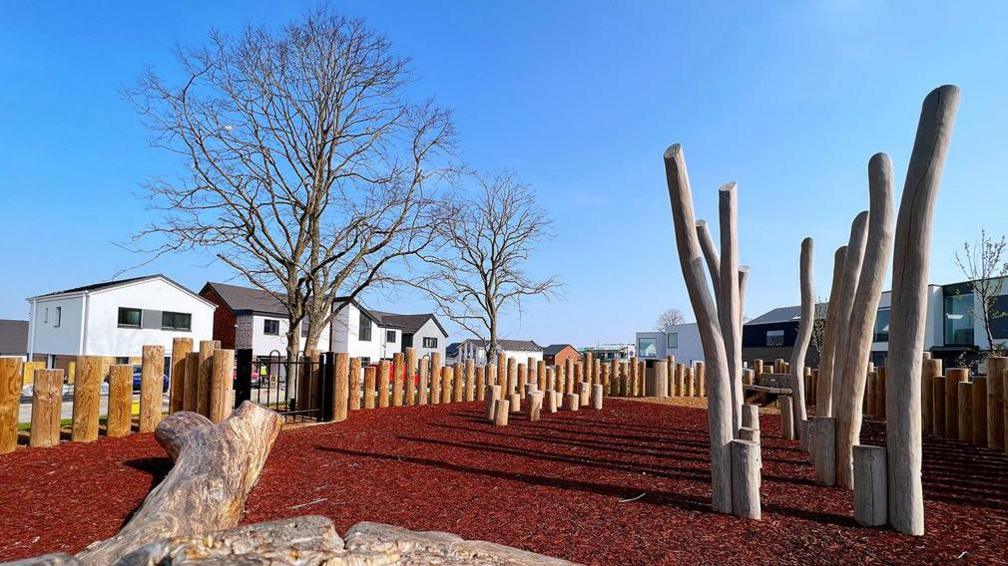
(11, 375)
(86, 399)
(151, 381)
(120, 401)
(47, 402)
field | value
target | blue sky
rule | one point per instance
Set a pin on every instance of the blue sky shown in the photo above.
(789, 99)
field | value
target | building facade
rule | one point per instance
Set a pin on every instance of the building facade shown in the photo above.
(557, 354)
(679, 340)
(521, 350)
(611, 351)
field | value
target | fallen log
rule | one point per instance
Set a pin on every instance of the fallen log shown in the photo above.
(216, 467)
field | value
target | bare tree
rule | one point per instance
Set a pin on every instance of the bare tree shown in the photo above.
(669, 317)
(308, 171)
(477, 271)
(985, 267)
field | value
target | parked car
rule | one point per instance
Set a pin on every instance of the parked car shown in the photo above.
(137, 372)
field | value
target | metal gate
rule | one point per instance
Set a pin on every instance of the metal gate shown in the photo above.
(299, 390)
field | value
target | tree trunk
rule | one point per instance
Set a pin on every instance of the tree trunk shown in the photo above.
(909, 308)
(861, 330)
(216, 467)
(719, 405)
(728, 297)
(804, 335)
(845, 302)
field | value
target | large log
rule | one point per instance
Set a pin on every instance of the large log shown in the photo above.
(120, 400)
(908, 314)
(870, 487)
(804, 336)
(861, 328)
(728, 298)
(824, 385)
(719, 408)
(180, 349)
(10, 401)
(47, 403)
(996, 366)
(746, 464)
(845, 303)
(87, 397)
(215, 468)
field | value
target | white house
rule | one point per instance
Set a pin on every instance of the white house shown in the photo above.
(679, 340)
(115, 319)
(520, 350)
(420, 331)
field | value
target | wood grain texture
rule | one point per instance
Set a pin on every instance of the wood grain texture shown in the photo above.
(824, 386)
(151, 379)
(746, 479)
(870, 486)
(181, 347)
(804, 335)
(120, 401)
(10, 402)
(728, 297)
(191, 392)
(341, 387)
(47, 403)
(354, 379)
(220, 385)
(996, 366)
(844, 302)
(87, 398)
(205, 372)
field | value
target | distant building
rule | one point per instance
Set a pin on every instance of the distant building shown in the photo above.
(476, 350)
(679, 340)
(115, 320)
(557, 354)
(420, 331)
(611, 351)
(14, 338)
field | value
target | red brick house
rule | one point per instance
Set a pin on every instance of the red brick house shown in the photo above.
(558, 354)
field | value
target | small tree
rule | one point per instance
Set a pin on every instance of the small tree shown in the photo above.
(984, 265)
(477, 269)
(669, 317)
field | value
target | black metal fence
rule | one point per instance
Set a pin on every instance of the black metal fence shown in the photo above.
(299, 390)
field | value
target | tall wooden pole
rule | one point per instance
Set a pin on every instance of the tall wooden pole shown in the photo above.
(180, 349)
(861, 330)
(341, 387)
(845, 302)
(411, 375)
(909, 308)
(87, 396)
(728, 297)
(719, 412)
(220, 385)
(805, 324)
(11, 373)
(710, 253)
(824, 385)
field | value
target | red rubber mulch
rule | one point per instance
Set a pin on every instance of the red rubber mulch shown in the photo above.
(556, 486)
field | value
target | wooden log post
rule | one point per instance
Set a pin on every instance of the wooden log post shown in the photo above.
(572, 401)
(522, 378)
(909, 309)
(354, 384)
(512, 376)
(541, 375)
(502, 408)
(191, 392)
(423, 389)
(411, 377)
(804, 337)
(870, 486)
(752, 435)
(844, 305)
(382, 379)
(470, 380)
(151, 382)
(552, 401)
(750, 416)
(680, 380)
(786, 417)
(491, 376)
(220, 386)
(480, 383)
(746, 464)
(181, 347)
(824, 387)
(996, 428)
(658, 380)
(758, 367)
(447, 375)
(727, 290)
(871, 399)
(964, 411)
(953, 376)
(535, 404)
(87, 397)
(11, 377)
(938, 404)
(458, 383)
(120, 401)
(825, 450)
(341, 387)
(569, 375)
(435, 378)
(690, 383)
(634, 369)
(584, 393)
(979, 407)
(502, 372)
(490, 398)
(931, 369)
(398, 381)
(700, 374)
(597, 391)
(515, 400)
(369, 386)
(204, 372)
(719, 411)
(47, 404)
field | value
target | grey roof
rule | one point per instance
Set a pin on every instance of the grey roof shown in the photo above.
(509, 345)
(409, 323)
(118, 282)
(249, 299)
(13, 337)
(554, 349)
(784, 314)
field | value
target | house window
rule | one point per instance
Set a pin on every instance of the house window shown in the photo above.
(59, 317)
(271, 327)
(673, 340)
(881, 326)
(176, 321)
(128, 318)
(46, 319)
(775, 338)
(365, 361)
(959, 319)
(999, 317)
(122, 360)
(647, 347)
(390, 335)
(364, 330)
(430, 342)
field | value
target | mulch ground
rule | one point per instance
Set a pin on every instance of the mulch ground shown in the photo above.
(627, 485)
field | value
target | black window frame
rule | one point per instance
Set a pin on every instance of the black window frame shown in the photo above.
(388, 334)
(170, 321)
(364, 328)
(119, 318)
(433, 342)
(668, 341)
(266, 324)
(877, 334)
(59, 317)
(774, 343)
